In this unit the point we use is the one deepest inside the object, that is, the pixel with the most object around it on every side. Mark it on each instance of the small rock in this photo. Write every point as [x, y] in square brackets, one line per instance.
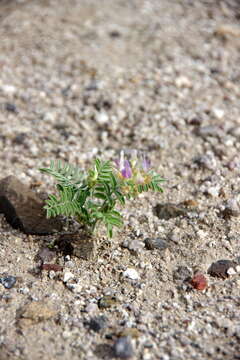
[52, 267]
[156, 243]
[75, 288]
[10, 107]
[183, 81]
[123, 348]
[168, 211]
[235, 131]
[107, 301]
[79, 245]
[98, 323]
[209, 130]
[135, 245]
[182, 273]
[231, 271]
[231, 209]
[19, 139]
[206, 161]
[24, 209]
[91, 308]
[218, 113]
[199, 281]
[46, 255]
[35, 312]
[191, 203]
[9, 89]
[8, 281]
[68, 276]
[102, 118]
[213, 191]
[131, 332]
[220, 268]
[131, 274]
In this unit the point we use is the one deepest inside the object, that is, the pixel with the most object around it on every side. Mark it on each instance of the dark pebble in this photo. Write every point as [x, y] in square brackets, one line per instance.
[220, 268]
[107, 301]
[98, 323]
[20, 138]
[114, 34]
[231, 209]
[8, 281]
[182, 273]
[10, 107]
[155, 243]
[123, 348]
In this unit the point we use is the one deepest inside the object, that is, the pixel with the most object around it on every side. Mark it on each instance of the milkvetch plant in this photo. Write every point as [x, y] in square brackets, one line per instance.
[91, 197]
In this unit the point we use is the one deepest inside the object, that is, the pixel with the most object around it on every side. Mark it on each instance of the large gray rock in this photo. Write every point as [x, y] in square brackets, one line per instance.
[23, 209]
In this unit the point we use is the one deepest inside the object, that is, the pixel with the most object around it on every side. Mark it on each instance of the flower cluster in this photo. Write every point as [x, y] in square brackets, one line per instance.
[133, 170]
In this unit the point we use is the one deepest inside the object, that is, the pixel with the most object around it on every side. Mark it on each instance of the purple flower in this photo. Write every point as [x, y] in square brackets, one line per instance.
[126, 171]
[124, 166]
[145, 163]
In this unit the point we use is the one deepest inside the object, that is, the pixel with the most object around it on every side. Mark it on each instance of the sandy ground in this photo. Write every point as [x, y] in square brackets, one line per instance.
[86, 78]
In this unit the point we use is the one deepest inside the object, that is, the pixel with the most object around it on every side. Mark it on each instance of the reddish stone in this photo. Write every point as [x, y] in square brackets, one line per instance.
[199, 281]
[53, 267]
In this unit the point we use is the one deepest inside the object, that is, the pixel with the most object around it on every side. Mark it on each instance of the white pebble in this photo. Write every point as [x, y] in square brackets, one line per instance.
[231, 271]
[67, 276]
[218, 113]
[131, 274]
[183, 81]
[102, 118]
[9, 89]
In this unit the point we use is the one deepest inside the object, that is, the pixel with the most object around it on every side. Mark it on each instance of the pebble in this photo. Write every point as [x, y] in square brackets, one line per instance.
[231, 208]
[183, 81]
[156, 243]
[102, 118]
[199, 281]
[75, 288]
[9, 89]
[206, 161]
[107, 301]
[91, 308]
[46, 255]
[213, 191]
[168, 211]
[98, 323]
[132, 332]
[52, 267]
[131, 274]
[220, 268]
[218, 113]
[10, 107]
[134, 245]
[209, 130]
[68, 276]
[182, 273]
[8, 281]
[123, 348]
[231, 271]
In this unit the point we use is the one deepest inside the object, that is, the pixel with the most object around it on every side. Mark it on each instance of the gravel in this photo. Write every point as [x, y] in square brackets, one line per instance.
[81, 79]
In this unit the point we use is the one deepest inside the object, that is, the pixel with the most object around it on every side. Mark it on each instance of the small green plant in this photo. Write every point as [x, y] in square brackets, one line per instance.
[92, 196]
